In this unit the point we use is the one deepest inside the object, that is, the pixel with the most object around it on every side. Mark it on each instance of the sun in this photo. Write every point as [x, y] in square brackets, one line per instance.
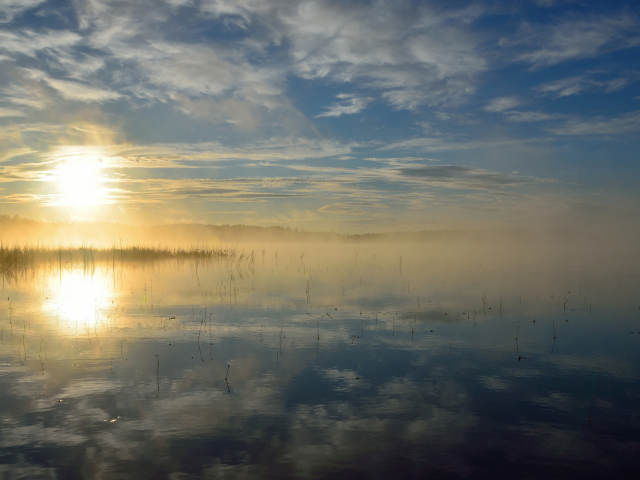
[80, 182]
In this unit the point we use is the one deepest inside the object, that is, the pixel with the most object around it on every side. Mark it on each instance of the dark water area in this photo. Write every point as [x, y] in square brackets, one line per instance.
[323, 362]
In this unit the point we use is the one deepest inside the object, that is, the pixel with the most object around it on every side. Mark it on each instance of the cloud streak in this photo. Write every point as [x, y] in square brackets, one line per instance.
[575, 38]
[583, 84]
[458, 176]
[622, 125]
[349, 105]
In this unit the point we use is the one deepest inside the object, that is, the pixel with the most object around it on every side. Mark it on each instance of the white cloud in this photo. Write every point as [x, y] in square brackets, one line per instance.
[348, 106]
[499, 105]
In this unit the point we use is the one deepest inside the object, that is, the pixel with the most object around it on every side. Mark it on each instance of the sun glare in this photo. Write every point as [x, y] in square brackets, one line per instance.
[81, 183]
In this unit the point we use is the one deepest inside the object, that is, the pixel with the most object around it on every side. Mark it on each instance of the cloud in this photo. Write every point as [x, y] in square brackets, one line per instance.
[462, 119]
[9, 9]
[126, 155]
[545, 3]
[11, 112]
[565, 87]
[350, 208]
[400, 161]
[197, 70]
[415, 54]
[453, 143]
[26, 95]
[621, 125]
[459, 176]
[81, 92]
[582, 84]
[498, 105]
[72, 90]
[349, 105]
[163, 67]
[574, 38]
[30, 43]
[516, 116]
[16, 152]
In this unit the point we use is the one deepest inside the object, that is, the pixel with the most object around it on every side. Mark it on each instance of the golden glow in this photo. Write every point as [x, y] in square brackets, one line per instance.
[81, 182]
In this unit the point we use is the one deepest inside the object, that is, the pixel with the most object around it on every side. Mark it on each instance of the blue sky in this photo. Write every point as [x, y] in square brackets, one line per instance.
[352, 116]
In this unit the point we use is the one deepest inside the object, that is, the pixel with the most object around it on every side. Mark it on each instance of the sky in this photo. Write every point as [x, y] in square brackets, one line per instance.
[352, 116]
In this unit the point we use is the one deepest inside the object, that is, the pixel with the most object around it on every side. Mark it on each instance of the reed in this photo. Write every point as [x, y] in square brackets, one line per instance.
[158, 376]
[22, 257]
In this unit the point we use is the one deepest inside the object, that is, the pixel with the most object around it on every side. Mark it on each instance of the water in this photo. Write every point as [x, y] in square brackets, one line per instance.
[323, 362]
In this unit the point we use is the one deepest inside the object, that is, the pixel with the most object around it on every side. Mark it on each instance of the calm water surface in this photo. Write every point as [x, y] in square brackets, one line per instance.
[323, 362]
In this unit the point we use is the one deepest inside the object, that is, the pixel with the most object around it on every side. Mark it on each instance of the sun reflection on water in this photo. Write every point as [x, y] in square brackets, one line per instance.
[79, 297]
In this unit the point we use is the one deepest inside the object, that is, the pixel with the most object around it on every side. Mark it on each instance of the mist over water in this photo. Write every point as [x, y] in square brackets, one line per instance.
[469, 359]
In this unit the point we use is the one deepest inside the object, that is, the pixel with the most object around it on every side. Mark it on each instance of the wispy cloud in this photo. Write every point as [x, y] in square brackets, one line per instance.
[581, 84]
[11, 112]
[72, 90]
[24, 95]
[416, 55]
[9, 9]
[518, 116]
[351, 208]
[282, 149]
[29, 43]
[16, 152]
[459, 176]
[453, 143]
[349, 105]
[498, 105]
[575, 37]
[621, 125]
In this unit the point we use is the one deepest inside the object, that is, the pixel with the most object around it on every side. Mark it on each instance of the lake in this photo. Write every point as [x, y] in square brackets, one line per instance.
[324, 361]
